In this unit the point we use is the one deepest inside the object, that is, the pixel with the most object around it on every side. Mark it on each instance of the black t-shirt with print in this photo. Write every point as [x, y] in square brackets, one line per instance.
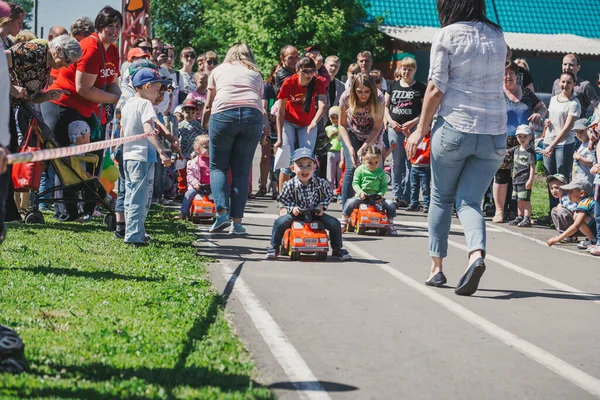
[405, 102]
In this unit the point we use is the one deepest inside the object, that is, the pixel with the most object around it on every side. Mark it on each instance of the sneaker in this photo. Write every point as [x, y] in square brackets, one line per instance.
[221, 222]
[120, 235]
[526, 223]
[237, 229]
[83, 219]
[148, 238]
[412, 207]
[594, 250]
[516, 221]
[584, 244]
[425, 210]
[341, 254]
[400, 203]
[272, 254]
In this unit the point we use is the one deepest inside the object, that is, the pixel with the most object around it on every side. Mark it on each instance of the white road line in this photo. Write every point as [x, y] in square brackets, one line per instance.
[576, 376]
[538, 241]
[294, 366]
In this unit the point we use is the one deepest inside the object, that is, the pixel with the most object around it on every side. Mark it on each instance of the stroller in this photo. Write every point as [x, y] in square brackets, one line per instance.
[71, 176]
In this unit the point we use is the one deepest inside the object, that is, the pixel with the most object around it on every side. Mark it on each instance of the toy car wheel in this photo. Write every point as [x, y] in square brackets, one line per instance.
[322, 256]
[360, 230]
[110, 220]
[349, 227]
[388, 177]
[295, 255]
[34, 217]
[382, 231]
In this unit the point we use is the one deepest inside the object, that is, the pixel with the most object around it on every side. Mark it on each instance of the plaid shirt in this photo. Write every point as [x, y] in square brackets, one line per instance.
[295, 194]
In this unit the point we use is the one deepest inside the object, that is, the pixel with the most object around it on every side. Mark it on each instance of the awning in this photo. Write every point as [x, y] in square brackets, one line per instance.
[560, 43]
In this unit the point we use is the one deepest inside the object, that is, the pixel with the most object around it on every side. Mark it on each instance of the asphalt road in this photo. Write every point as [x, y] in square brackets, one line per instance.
[370, 328]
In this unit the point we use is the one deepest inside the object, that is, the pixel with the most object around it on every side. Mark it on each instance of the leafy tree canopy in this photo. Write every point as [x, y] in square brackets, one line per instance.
[266, 26]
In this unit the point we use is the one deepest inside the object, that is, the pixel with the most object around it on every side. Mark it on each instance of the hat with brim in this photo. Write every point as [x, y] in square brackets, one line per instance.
[581, 184]
[303, 152]
[147, 75]
[580, 124]
[189, 104]
[556, 177]
[137, 53]
[523, 130]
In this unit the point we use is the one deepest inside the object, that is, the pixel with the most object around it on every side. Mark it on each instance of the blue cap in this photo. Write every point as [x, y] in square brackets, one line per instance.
[303, 152]
[146, 75]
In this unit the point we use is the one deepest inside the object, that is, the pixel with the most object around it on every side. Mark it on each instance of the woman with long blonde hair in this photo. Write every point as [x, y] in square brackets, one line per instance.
[361, 122]
[235, 118]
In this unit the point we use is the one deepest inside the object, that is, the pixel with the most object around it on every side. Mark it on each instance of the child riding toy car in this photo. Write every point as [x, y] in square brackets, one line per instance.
[203, 207]
[307, 236]
[369, 215]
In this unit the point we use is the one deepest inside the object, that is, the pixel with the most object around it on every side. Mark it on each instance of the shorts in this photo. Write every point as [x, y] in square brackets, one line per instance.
[503, 177]
[520, 193]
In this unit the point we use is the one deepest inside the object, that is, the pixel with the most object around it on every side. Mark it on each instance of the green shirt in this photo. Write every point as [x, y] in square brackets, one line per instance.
[369, 182]
[336, 143]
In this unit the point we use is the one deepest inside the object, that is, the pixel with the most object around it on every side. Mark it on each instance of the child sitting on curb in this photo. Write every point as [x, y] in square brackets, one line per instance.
[580, 192]
[562, 214]
[308, 192]
[369, 178]
[198, 173]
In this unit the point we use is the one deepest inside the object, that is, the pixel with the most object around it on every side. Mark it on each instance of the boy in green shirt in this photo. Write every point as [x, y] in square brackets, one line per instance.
[369, 178]
[334, 155]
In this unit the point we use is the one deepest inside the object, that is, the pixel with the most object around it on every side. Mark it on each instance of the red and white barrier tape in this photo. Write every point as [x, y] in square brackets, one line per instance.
[61, 152]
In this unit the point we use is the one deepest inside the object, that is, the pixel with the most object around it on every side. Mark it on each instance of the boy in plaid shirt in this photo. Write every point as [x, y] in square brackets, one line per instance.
[306, 191]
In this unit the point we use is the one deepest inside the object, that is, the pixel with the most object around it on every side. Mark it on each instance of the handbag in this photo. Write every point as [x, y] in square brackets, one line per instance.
[27, 176]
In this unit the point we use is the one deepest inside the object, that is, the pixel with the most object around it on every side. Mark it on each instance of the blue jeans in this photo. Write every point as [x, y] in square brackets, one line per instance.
[353, 203]
[47, 182]
[462, 166]
[401, 167]
[188, 197]
[420, 176]
[139, 181]
[347, 191]
[234, 136]
[293, 134]
[120, 205]
[560, 162]
[160, 176]
[331, 224]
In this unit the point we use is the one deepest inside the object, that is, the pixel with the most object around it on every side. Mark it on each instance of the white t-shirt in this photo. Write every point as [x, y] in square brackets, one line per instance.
[134, 114]
[558, 111]
[581, 171]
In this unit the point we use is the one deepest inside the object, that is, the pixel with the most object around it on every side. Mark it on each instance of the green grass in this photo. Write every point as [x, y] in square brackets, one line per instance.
[539, 193]
[102, 320]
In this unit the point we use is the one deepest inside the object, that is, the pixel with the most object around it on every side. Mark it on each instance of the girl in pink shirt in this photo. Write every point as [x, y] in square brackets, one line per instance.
[198, 174]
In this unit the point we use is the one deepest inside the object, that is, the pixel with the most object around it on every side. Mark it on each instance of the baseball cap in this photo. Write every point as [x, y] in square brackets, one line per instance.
[303, 152]
[137, 52]
[147, 75]
[335, 110]
[139, 64]
[523, 130]
[580, 184]
[580, 124]
[78, 128]
[559, 177]
[189, 104]
[177, 110]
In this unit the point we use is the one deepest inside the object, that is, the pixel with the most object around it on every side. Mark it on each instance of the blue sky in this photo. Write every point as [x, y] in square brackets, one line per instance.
[64, 12]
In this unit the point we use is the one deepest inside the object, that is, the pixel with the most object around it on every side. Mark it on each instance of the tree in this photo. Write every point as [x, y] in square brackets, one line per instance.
[27, 6]
[341, 27]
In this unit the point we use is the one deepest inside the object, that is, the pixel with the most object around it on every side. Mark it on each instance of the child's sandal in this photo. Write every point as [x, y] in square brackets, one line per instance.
[392, 230]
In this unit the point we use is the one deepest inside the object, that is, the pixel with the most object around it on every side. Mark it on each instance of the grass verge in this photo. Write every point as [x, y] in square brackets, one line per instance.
[104, 320]
[539, 198]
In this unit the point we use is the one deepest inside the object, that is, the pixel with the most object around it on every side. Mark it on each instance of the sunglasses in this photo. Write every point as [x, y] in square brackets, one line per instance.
[189, 55]
[147, 49]
[308, 71]
[211, 62]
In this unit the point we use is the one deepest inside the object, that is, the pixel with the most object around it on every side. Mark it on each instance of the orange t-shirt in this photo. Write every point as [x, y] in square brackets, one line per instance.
[96, 61]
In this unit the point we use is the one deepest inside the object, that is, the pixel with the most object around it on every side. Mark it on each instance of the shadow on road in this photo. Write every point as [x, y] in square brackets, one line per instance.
[310, 386]
[520, 294]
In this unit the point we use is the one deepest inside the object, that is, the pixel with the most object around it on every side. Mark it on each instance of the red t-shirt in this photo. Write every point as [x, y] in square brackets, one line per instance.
[294, 93]
[91, 62]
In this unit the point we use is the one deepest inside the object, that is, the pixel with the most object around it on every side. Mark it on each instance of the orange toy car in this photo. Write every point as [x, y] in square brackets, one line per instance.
[203, 207]
[306, 236]
[370, 215]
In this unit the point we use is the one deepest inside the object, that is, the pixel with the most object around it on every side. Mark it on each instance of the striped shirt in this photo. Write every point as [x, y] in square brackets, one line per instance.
[467, 65]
